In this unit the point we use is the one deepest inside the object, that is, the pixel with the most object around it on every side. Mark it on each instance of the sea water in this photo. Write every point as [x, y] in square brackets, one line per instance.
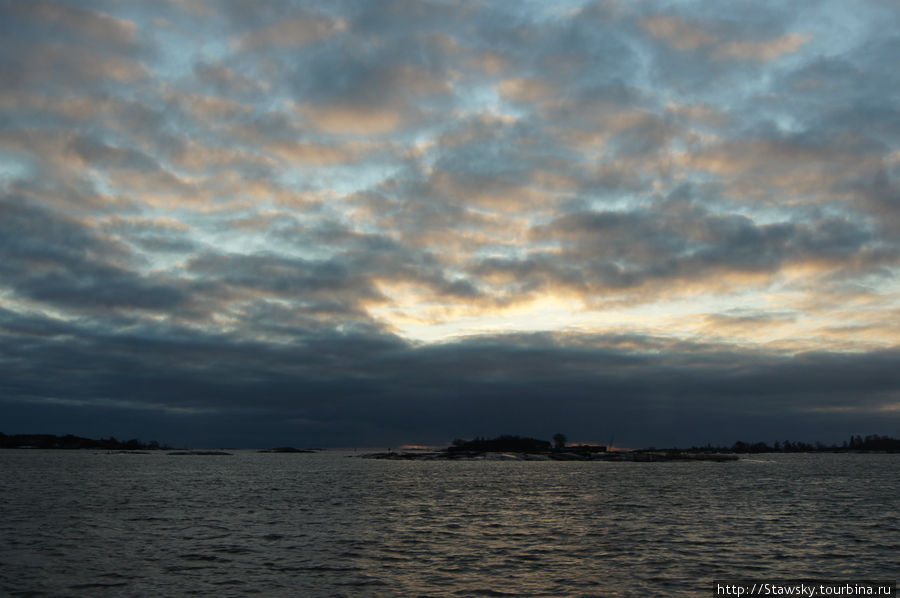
[88, 523]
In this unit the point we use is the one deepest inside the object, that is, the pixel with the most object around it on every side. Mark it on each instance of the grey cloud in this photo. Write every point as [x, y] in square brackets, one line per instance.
[618, 250]
[480, 148]
[103, 288]
[59, 261]
[391, 80]
[154, 244]
[283, 275]
[72, 24]
[698, 49]
[97, 153]
[54, 46]
[399, 17]
[224, 79]
[346, 278]
[33, 233]
[297, 30]
[53, 66]
[153, 237]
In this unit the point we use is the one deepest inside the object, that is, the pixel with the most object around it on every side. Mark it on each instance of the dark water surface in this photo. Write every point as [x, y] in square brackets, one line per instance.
[80, 523]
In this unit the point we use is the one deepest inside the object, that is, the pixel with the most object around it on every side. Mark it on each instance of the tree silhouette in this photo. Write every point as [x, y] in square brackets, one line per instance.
[559, 440]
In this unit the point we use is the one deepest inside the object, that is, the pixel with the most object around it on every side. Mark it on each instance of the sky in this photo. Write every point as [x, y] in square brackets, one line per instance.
[347, 223]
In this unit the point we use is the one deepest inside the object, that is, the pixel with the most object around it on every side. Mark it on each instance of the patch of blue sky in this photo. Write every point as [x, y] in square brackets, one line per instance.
[484, 99]
[223, 232]
[154, 262]
[616, 202]
[541, 10]
[99, 181]
[215, 231]
[339, 179]
[26, 307]
[837, 27]
[179, 51]
[15, 166]
[761, 215]
[509, 251]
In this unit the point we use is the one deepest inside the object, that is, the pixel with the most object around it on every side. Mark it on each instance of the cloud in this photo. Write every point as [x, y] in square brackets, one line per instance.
[57, 65]
[293, 32]
[520, 89]
[676, 32]
[686, 36]
[368, 223]
[224, 79]
[372, 100]
[51, 45]
[308, 152]
[78, 24]
[61, 262]
[764, 50]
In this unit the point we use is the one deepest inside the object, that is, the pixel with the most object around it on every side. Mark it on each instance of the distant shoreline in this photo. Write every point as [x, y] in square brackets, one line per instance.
[517, 448]
[111, 444]
[562, 455]
[513, 447]
[72, 442]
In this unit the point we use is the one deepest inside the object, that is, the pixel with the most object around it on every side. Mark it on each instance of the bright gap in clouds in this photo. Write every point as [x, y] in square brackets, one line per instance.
[777, 320]
[416, 319]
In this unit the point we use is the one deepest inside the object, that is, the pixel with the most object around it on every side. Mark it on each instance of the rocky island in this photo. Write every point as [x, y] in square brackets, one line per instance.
[517, 448]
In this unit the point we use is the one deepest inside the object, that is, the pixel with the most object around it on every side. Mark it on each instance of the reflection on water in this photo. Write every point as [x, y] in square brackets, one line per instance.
[92, 524]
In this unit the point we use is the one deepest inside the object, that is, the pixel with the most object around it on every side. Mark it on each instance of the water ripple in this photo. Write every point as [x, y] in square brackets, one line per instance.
[95, 525]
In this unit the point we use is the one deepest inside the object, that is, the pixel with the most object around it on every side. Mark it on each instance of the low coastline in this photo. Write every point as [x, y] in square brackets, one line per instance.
[632, 456]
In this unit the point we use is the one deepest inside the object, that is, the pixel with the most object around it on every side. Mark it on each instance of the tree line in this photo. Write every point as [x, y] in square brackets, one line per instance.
[70, 441]
[872, 442]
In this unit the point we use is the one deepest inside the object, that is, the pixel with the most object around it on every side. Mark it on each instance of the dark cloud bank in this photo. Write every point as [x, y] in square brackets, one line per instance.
[365, 388]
